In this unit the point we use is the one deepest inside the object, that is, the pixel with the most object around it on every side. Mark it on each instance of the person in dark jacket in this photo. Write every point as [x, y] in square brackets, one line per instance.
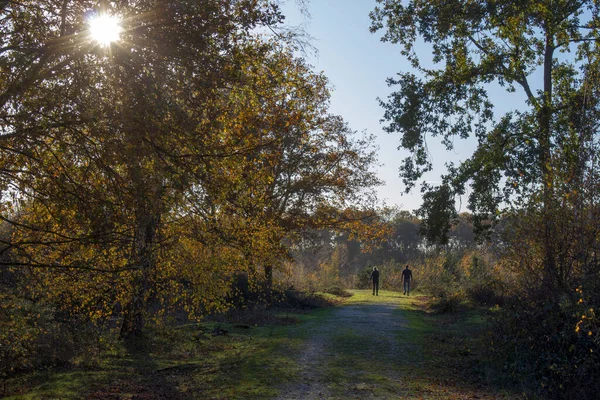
[406, 278]
[375, 278]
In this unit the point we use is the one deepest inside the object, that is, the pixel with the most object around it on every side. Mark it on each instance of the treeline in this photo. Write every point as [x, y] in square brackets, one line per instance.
[465, 271]
[141, 179]
[326, 258]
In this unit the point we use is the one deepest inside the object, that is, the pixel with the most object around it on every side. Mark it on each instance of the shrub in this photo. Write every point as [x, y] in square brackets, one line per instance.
[32, 336]
[337, 291]
[550, 347]
[488, 292]
[303, 300]
[455, 280]
[449, 303]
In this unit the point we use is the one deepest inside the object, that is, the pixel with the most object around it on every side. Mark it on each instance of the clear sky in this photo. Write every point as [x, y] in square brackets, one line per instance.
[357, 64]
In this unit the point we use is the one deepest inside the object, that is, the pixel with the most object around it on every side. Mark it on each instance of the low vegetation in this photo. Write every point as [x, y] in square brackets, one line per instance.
[235, 355]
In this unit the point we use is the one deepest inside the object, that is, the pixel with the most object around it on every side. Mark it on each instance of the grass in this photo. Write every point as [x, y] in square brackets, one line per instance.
[442, 358]
[360, 363]
[449, 361]
[183, 362]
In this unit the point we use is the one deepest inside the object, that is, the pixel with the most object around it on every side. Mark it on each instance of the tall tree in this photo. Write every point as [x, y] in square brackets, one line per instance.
[306, 167]
[522, 46]
[149, 169]
[100, 144]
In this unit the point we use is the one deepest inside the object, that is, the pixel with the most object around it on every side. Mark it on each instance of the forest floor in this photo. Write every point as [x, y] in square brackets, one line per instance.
[370, 347]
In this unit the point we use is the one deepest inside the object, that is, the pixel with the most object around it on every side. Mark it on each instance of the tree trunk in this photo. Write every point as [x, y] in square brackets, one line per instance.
[142, 251]
[133, 315]
[268, 283]
[545, 159]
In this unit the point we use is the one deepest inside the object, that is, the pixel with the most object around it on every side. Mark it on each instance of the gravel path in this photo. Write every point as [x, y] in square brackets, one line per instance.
[354, 353]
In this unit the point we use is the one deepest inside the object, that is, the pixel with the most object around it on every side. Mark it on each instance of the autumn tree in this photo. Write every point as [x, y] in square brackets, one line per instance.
[101, 144]
[548, 51]
[307, 169]
[151, 169]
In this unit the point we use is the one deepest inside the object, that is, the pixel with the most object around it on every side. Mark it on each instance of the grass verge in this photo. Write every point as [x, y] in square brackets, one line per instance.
[450, 351]
[209, 360]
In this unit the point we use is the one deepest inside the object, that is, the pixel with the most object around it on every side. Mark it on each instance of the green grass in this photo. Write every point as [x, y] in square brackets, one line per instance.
[366, 296]
[450, 354]
[441, 359]
[357, 366]
[183, 361]
[444, 356]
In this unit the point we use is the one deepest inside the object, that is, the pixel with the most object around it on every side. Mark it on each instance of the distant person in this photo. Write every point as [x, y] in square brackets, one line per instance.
[406, 278]
[375, 278]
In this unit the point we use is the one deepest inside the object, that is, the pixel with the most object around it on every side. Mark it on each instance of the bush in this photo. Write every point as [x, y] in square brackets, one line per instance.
[337, 291]
[455, 280]
[487, 293]
[449, 303]
[551, 348]
[33, 337]
[303, 300]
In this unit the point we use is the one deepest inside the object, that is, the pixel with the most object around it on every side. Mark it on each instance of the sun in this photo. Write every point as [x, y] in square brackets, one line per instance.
[105, 29]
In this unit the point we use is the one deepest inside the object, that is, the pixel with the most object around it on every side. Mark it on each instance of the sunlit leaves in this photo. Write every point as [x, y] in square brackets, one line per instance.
[159, 168]
[100, 149]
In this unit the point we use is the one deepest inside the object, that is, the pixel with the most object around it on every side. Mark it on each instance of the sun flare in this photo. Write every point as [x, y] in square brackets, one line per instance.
[105, 29]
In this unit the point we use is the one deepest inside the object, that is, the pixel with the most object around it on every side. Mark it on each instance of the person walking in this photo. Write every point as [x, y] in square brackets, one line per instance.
[406, 278]
[375, 278]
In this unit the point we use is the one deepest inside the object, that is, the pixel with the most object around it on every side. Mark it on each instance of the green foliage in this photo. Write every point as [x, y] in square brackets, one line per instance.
[390, 274]
[337, 291]
[19, 333]
[534, 172]
[474, 44]
[363, 277]
[449, 302]
[461, 278]
[437, 213]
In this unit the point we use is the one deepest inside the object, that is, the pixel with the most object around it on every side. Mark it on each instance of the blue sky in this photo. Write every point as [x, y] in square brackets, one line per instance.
[357, 64]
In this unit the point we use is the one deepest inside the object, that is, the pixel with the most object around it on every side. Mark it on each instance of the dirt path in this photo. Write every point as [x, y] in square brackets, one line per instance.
[354, 353]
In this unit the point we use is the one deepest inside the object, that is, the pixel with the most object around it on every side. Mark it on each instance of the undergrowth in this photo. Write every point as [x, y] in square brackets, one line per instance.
[234, 355]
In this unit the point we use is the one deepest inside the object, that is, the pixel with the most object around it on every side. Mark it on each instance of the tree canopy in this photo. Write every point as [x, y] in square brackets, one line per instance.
[155, 167]
[531, 158]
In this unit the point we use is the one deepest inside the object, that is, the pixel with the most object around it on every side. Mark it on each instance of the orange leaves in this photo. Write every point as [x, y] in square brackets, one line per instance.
[588, 320]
